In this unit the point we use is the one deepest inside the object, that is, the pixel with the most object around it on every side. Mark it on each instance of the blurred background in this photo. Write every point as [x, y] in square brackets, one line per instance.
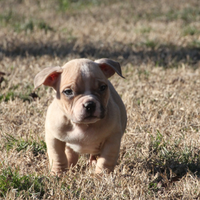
[136, 31]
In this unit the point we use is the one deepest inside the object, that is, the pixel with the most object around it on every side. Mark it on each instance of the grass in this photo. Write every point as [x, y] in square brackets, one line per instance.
[21, 144]
[31, 26]
[190, 31]
[150, 44]
[22, 186]
[67, 5]
[195, 43]
[157, 45]
[6, 17]
[186, 14]
[14, 92]
[170, 157]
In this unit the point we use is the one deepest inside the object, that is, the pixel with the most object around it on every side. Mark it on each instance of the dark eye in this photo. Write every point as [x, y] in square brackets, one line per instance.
[103, 87]
[68, 92]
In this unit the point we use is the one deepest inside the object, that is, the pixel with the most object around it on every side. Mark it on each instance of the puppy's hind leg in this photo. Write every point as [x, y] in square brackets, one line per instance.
[93, 160]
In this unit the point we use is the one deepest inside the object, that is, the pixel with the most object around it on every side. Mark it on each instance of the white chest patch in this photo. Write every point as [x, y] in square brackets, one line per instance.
[83, 140]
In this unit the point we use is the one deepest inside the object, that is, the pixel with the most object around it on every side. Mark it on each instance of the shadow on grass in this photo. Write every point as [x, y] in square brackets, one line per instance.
[172, 167]
[167, 170]
[163, 55]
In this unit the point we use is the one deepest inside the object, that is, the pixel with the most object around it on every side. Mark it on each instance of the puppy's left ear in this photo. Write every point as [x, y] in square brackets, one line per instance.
[109, 67]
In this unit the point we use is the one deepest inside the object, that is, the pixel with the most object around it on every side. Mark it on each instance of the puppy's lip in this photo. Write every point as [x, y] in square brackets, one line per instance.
[91, 117]
[88, 120]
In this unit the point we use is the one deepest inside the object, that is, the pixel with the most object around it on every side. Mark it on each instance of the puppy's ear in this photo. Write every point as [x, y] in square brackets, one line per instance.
[109, 67]
[48, 77]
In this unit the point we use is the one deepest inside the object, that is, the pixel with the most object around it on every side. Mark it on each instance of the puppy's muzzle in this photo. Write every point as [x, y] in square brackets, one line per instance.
[90, 107]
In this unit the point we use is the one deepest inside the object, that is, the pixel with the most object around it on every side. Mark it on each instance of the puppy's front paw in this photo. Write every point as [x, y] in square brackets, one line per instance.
[58, 173]
[104, 166]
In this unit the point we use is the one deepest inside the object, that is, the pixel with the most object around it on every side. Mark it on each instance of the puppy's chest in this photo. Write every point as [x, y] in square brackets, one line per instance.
[85, 141]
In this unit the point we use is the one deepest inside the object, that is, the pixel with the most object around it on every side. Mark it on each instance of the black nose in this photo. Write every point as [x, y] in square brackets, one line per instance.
[90, 106]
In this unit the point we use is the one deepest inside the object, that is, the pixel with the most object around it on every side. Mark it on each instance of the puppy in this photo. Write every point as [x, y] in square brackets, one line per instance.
[87, 116]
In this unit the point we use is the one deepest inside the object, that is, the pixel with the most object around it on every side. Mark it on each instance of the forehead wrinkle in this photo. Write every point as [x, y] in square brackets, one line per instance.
[91, 77]
[91, 70]
[85, 74]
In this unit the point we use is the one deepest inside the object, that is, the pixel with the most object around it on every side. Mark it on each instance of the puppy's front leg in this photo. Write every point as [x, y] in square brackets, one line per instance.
[109, 155]
[56, 152]
[72, 156]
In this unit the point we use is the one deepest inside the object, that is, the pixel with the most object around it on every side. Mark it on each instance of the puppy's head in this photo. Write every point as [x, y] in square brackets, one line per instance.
[82, 87]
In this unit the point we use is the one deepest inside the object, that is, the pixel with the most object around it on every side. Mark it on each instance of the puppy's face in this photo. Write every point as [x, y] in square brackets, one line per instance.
[83, 92]
[82, 87]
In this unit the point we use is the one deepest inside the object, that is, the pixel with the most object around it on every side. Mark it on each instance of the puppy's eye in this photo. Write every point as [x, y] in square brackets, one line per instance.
[103, 87]
[68, 92]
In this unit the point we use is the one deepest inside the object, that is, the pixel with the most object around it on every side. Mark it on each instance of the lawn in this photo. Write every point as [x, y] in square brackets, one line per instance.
[157, 44]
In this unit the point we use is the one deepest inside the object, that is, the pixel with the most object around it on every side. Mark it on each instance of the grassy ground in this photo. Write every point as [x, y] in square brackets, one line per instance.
[158, 45]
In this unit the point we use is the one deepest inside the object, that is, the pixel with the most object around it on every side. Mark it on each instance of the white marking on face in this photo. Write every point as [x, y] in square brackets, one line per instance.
[86, 76]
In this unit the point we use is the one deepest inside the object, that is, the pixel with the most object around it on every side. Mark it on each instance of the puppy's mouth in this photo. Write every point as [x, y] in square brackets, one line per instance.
[102, 115]
[91, 119]
[87, 120]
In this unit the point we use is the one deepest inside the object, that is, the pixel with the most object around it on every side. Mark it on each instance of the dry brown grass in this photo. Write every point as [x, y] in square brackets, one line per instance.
[157, 43]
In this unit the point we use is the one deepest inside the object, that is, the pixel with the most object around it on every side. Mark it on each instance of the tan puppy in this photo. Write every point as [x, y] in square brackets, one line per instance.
[86, 116]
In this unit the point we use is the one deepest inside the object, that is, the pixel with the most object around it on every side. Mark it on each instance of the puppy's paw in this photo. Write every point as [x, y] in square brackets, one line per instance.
[58, 172]
[93, 160]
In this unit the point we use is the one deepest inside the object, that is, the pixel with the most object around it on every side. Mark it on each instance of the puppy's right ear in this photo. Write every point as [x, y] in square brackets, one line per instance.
[48, 77]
